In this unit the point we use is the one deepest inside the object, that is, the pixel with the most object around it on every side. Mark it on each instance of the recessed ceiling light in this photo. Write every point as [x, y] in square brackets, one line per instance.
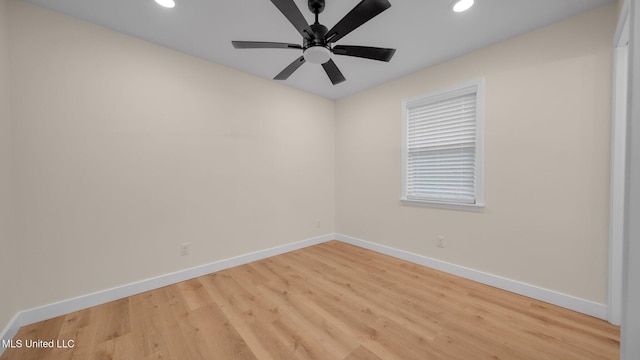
[461, 5]
[166, 3]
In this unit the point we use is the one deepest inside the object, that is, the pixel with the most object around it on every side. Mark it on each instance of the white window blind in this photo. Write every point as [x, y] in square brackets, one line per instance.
[442, 157]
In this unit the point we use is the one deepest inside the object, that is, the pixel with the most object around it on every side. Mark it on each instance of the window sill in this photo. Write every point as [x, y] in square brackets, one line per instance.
[443, 205]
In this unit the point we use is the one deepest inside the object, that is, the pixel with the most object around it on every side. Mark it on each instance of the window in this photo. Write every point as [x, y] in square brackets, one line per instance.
[442, 148]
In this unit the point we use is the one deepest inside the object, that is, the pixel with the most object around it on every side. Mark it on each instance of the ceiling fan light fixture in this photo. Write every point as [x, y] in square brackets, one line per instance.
[166, 3]
[317, 54]
[462, 5]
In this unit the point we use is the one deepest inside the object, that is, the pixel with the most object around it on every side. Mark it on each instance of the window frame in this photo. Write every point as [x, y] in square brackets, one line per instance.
[442, 95]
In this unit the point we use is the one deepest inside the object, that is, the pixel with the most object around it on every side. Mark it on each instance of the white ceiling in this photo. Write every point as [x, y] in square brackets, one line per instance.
[424, 32]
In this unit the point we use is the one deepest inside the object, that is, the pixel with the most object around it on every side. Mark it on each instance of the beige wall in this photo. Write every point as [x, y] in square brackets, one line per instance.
[547, 160]
[124, 150]
[8, 258]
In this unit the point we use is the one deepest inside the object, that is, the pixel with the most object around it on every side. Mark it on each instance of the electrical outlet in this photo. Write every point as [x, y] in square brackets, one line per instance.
[318, 224]
[440, 241]
[184, 249]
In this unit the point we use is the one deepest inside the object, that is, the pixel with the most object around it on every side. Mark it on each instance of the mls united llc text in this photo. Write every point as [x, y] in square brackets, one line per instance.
[41, 344]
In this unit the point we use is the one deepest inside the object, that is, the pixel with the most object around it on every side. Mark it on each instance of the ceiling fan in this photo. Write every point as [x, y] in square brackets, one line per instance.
[317, 40]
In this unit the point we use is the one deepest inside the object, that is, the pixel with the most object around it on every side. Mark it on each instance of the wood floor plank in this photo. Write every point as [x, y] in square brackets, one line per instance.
[113, 321]
[236, 303]
[362, 353]
[143, 331]
[381, 299]
[194, 294]
[329, 301]
[209, 330]
[336, 338]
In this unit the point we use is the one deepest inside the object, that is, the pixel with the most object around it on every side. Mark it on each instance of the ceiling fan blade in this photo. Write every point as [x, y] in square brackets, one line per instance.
[291, 11]
[284, 74]
[366, 52]
[333, 72]
[263, 45]
[363, 12]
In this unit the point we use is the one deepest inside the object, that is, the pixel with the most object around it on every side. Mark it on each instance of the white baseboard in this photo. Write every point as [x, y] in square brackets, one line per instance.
[45, 312]
[549, 296]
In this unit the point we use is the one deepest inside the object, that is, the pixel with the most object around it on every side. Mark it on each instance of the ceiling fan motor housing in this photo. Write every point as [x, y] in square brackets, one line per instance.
[319, 32]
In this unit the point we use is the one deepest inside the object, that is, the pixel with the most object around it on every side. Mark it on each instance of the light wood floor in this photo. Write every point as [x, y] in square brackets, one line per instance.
[330, 301]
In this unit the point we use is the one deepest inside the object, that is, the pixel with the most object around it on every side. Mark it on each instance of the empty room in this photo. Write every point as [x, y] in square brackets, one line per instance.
[310, 179]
